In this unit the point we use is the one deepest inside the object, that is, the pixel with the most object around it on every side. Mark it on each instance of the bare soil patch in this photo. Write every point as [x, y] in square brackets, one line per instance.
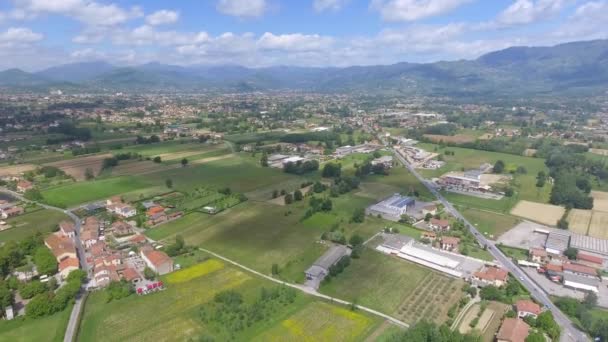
[77, 167]
[539, 212]
[16, 170]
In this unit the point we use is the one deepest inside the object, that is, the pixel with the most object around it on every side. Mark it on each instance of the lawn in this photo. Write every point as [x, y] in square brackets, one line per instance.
[490, 223]
[377, 281]
[503, 205]
[173, 314]
[82, 192]
[50, 328]
[29, 224]
[512, 252]
[471, 159]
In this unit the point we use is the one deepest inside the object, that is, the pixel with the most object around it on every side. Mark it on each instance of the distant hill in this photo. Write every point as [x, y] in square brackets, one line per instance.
[579, 67]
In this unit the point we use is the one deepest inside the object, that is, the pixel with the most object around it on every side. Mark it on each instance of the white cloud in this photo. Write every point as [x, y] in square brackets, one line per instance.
[242, 8]
[294, 42]
[19, 36]
[529, 11]
[412, 10]
[162, 17]
[89, 12]
[587, 22]
[329, 5]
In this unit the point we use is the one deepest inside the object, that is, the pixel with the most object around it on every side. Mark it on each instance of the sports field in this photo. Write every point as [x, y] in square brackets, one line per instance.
[29, 224]
[377, 281]
[539, 212]
[78, 193]
[50, 328]
[173, 314]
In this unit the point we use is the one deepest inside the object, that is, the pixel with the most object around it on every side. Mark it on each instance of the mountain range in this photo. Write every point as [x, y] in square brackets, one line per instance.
[571, 68]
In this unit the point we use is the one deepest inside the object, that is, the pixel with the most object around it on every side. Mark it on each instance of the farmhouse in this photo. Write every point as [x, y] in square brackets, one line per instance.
[68, 265]
[513, 330]
[121, 228]
[429, 235]
[438, 224]
[23, 186]
[320, 268]
[122, 209]
[537, 255]
[490, 275]
[527, 308]
[449, 243]
[129, 274]
[158, 261]
[61, 246]
[10, 212]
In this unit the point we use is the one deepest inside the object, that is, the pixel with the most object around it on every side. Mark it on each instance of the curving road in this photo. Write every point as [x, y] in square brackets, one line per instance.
[569, 331]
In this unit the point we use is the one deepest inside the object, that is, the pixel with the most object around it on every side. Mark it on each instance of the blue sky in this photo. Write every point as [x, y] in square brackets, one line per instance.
[35, 34]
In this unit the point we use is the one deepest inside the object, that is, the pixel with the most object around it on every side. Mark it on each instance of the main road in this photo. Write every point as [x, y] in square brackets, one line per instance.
[569, 332]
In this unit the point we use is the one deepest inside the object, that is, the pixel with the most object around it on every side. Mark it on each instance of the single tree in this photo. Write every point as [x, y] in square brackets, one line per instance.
[169, 183]
[184, 162]
[157, 160]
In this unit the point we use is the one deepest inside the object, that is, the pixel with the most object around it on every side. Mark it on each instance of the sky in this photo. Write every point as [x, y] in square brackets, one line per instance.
[36, 34]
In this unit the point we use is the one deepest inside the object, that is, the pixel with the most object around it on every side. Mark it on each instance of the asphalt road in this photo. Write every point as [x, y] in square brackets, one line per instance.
[569, 332]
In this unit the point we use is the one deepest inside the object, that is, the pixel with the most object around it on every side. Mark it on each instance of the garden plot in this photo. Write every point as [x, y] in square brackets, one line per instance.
[539, 212]
[77, 167]
[578, 220]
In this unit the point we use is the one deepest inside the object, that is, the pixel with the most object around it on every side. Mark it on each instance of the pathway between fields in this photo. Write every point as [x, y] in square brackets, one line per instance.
[308, 290]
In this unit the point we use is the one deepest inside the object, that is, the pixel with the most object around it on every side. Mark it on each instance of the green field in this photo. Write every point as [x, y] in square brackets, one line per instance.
[503, 205]
[29, 224]
[50, 328]
[490, 223]
[377, 281]
[471, 159]
[82, 192]
[173, 313]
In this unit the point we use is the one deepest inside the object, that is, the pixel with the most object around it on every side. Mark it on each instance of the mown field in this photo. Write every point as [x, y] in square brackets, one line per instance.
[174, 313]
[30, 223]
[490, 223]
[470, 159]
[50, 328]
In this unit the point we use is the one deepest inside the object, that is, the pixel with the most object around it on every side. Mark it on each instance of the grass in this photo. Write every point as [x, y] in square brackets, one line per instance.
[172, 314]
[50, 328]
[470, 158]
[77, 193]
[377, 281]
[30, 223]
[513, 252]
[490, 223]
[503, 205]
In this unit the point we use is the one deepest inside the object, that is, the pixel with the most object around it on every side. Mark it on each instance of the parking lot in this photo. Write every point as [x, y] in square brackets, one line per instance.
[523, 236]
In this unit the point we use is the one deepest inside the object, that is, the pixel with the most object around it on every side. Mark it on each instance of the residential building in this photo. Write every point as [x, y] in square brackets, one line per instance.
[525, 308]
[513, 330]
[429, 209]
[23, 186]
[61, 246]
[158, 261]
[129, 274]
[429, 235]
[490, 275]
[11, 212]
[537, 255]
[67, 229]
[439, 224]
[68, 265]
[120, 228]
[449, 243]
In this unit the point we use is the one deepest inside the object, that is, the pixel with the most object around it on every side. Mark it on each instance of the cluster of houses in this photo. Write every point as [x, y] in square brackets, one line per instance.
[157, 214]
[62, 245]
[10, 209]
[116, 206]
[515, 329]
[579, 274]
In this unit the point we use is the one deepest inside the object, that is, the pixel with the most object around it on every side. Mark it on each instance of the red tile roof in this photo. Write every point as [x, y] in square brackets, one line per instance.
[527, 306]
[67, 226]
[492, 274]
[538, 252]
[513, 330]
[590, 258]
[157, 258]
[130, 274]
[60, 244]
[68, 262]
[440, 223]
[554, 267]
[578, 268]
[450, 240]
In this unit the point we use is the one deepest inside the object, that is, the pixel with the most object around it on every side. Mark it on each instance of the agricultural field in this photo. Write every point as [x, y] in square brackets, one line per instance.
[174, 312]
[598, 225]
[490, 223]
[15, 170]
[600, 200]
[28, 224]
[77, 167]
[489, 319]
[199, 198]
[50, 328]
[400, 178]
[542, 213]
[578, 220]
[290, 185]
[455, 139]
[503, 205]
[372, 281]
[465, 158]
[78, 193]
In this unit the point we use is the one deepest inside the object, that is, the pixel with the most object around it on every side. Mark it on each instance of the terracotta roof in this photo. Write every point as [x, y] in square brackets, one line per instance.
[157, 258]
[130, 274]
[24, 184]
[492, 274]
[59, 244]
[155, 210]
[450, 240]
[68, 262]
[440, 223]
[554, 267]
[430, 234]
[538, 252]
[528, 306]
[513, 330]
[590, 258]
[139, 238]
[66, 226]
[578, 268]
